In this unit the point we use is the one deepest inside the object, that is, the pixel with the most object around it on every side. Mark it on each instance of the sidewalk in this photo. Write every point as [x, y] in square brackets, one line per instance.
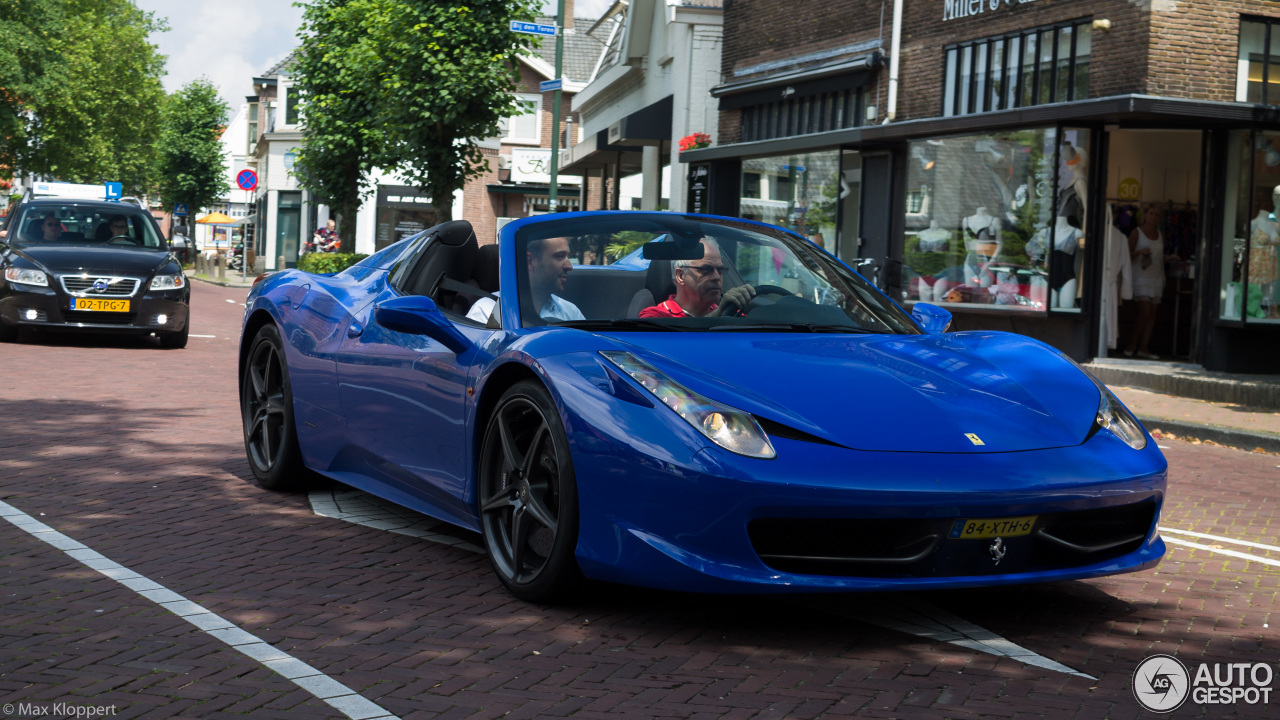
[1238, 426]
[233, 279]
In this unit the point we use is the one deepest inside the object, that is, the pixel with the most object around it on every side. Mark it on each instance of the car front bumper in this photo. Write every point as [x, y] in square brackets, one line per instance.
[49, 308]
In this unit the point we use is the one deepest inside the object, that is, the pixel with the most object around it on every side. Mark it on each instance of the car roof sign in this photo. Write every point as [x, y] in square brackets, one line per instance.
[69, 190]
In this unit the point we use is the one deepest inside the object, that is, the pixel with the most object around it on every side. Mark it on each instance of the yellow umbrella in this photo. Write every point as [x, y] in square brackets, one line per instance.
[216, 218]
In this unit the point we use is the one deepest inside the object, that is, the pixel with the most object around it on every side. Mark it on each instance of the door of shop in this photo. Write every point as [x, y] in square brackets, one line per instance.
[1152, 195]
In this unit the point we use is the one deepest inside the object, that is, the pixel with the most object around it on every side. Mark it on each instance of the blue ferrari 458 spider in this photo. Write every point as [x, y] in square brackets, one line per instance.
[727, 408]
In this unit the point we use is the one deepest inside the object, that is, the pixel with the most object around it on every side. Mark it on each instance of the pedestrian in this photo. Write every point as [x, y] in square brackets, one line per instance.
[326, 238]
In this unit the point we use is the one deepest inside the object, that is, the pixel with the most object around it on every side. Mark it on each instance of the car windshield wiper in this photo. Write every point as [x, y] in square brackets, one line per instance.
[796, 327]
[621, 324]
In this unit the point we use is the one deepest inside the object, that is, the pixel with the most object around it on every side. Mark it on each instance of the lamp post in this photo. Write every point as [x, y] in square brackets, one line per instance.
[553, 201]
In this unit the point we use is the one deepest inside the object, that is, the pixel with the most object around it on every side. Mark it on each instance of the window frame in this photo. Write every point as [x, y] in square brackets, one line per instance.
[969, 79]
[1270, 28]
[536, 138]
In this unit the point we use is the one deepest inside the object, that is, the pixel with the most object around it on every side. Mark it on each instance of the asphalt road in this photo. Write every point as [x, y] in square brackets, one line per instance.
[122, 460]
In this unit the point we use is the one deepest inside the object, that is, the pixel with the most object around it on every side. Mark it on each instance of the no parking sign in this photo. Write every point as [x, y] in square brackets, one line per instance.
[247, 180]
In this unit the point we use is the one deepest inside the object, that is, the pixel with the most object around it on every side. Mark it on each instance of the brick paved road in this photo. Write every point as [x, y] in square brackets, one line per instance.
[135, 451]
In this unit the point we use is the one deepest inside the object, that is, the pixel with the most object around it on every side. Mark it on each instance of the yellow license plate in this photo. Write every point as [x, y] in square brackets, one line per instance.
[99, 305]
[984, 528]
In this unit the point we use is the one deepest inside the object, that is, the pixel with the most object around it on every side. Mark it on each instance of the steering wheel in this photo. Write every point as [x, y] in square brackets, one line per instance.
[127, 240]
[730, 307]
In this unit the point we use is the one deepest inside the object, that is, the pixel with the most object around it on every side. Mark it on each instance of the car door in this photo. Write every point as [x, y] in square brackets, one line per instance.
[405, 399]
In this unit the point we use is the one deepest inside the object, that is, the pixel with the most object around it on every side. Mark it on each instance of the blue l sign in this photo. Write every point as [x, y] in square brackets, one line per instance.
[115, 190]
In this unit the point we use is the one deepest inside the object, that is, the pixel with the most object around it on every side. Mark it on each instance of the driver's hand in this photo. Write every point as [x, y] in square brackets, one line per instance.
[738, 296]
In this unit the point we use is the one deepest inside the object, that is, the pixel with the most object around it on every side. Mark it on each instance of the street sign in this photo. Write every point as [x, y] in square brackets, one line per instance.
[180, 210]
[247, 180]
[529, 28]
[549, 85]
[114, 190]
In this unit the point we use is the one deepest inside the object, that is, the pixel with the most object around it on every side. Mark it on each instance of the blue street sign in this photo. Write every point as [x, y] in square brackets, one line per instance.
[180, 209]
[115, 190]
[529, 28]
[549, 85]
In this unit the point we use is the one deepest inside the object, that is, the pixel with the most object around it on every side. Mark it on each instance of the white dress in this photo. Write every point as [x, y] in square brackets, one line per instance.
[1149, 281]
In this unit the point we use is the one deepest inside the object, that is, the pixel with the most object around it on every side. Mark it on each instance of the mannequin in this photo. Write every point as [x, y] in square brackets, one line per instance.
[1076, 184]
[933, 238]
[1264, 237]
[982, 240]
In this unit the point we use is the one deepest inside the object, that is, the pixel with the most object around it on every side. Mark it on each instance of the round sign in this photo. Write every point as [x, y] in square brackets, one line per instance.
[1161, 683]
[247, 180]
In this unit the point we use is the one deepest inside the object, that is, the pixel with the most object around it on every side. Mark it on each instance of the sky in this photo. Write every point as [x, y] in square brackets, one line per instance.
[231, 41]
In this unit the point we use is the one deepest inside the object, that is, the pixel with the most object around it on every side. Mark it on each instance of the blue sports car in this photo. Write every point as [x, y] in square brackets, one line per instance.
[730, 409]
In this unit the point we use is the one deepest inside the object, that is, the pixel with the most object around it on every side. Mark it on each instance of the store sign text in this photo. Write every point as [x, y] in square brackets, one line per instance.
[953, 9]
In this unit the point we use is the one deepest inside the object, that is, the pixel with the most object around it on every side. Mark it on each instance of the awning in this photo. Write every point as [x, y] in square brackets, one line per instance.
[1132, 110]
[622, 142]
[832, 77]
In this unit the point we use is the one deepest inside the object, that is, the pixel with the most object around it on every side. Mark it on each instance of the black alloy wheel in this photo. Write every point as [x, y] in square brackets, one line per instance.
[266, 405]
[529, 497]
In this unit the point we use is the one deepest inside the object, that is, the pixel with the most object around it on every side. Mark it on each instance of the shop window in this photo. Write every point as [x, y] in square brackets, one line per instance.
[525, 127]
[1249, 264]
[1258, 73]
[801, 116]
[991, 220]
[797, 192]
[1031, 67]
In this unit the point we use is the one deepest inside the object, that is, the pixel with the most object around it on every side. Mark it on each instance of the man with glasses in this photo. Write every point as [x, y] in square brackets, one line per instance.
[117, 227]
[50, 228]
[700, 288]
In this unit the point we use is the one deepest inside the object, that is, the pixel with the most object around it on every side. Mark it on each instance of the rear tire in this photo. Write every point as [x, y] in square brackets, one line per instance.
[529, 496]
[266, 407]
[175, 340]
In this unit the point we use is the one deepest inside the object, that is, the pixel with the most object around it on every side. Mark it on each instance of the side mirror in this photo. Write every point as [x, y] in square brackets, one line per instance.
[933, 319]
[418, 315]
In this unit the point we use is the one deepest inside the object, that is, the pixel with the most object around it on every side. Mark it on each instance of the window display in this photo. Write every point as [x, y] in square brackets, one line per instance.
[1250, 291]
[986, 229]
[797, 192]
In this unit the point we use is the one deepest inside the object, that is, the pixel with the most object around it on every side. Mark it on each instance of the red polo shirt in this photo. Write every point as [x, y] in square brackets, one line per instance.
[667, 309]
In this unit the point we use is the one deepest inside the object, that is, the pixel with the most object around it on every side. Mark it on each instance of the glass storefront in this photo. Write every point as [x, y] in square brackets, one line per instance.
[1251, 229]
[992, 220]
[798, 192]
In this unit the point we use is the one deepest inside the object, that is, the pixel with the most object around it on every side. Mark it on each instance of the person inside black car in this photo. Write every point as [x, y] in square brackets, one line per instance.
[115, 229]
[50, 229]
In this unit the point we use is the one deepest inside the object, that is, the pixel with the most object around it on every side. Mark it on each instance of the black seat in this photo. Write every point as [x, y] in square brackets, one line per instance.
[450, 255]
[484, 276]
[659, 284]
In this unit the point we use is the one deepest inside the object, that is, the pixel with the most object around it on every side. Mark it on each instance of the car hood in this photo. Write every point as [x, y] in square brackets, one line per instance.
[903, 393]
[95, 260]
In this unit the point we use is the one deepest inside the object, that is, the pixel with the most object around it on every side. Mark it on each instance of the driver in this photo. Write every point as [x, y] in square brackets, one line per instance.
[700, 288]
[117, 226]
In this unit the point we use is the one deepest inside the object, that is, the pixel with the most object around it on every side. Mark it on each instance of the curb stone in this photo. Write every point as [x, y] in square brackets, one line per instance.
[1229, 437]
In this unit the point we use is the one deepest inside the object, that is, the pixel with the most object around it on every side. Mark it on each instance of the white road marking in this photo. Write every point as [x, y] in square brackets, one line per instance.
[335, 694]
[233, 302]
[916, 617]
[364, 509]
[1219, 538]
[1224, 551]
[205, 336]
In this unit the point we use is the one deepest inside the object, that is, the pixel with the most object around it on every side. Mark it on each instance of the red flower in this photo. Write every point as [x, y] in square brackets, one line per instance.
[694, 141]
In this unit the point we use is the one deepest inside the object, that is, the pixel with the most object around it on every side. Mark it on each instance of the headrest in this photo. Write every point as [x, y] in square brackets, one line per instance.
[485, 271]
[454, 232]
[660, 280]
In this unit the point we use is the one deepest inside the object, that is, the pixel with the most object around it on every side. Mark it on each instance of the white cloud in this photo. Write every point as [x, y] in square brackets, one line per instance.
[228, 41]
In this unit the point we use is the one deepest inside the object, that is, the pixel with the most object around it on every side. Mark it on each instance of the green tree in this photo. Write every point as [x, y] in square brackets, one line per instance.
[336, 71]
[404, 85]
[96, 115]
[27, 31]
[192, 169]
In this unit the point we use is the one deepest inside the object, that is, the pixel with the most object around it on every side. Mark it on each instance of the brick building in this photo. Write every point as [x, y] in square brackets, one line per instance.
[995, 156]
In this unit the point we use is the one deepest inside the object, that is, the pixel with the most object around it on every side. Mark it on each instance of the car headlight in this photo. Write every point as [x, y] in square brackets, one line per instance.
[167, 282]
[26, 277]
[1114, 417]
[728, 427]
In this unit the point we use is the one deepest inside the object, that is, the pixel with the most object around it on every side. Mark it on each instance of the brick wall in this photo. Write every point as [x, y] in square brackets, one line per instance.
[1194, 44]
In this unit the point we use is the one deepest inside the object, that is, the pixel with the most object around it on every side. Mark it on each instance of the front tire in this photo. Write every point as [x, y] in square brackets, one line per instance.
[266, 407]
[175, 340]
[529, 496]
[8, 333]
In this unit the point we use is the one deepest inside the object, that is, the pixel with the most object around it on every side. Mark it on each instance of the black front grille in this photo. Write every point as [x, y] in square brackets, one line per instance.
[918, 547]
[99, 318]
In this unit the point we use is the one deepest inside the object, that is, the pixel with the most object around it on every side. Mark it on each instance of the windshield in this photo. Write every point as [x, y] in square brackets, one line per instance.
[73, 224]
[663, 271]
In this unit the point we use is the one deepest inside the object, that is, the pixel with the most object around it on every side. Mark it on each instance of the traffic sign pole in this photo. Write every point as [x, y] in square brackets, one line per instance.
[555, 108]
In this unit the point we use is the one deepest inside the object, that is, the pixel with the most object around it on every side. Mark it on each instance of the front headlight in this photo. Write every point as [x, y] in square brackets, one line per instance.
[167, 282]
[1114, 417]
[728, 427]
[26, 277]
